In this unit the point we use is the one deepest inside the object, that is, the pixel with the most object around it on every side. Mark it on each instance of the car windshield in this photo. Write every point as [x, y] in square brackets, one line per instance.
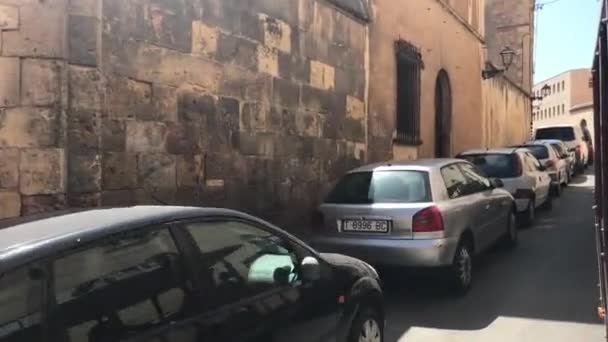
[559, 133]
[381, 187]
[494, 165]
[559, 149]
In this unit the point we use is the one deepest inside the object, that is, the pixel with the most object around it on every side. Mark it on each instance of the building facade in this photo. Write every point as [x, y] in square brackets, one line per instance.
[256, 105]
[569, 100]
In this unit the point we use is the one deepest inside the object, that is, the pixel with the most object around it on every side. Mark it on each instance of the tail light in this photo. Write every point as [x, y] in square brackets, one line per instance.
[550, 164]
[318, 220]
[578, 148]
[428, 220]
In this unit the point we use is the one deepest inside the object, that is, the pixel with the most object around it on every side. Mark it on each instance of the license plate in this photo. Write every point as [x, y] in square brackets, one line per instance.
[371, 226]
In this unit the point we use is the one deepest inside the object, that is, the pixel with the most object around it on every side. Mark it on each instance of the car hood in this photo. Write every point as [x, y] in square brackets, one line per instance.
[357, 268]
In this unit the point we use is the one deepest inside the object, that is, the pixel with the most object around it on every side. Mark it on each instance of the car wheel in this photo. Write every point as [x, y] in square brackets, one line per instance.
[556, 190]
[367, 327]
[462, 268]
[511, 236]
[528, 216]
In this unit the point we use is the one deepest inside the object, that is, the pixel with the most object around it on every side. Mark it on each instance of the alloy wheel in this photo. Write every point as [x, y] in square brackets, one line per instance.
[370, 331]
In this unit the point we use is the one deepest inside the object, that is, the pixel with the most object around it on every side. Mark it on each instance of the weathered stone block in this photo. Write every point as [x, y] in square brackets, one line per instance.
[353, 130]
[113, 135]
[119, 171]
[204, 39]
[40, 82]
[184, 138]
[9, 18]
[157, 171]
[294, 67]
[322, 76]
[78, 200]
[9, 168]
[251, 26]
[355, 108]
[28, 127]
[82, 40]
[169, 24]
[127, 98]
[246, 85]
[86, 89]
[308, 124]
[190, 170]
[10, 204]
[85, 7]
[164, 101]
[254, 117]
[286, 93]
[84, 173]
[9, 81]
[42, 171]
[268, 61]
[194, 105]
[83, 130]
[277, 33]
[118, 198]
[33, 39]
[316, 100]
[233, 49]
[261, 145]
[222, 125]
[350, 81]
[146, 136]
[31, 205]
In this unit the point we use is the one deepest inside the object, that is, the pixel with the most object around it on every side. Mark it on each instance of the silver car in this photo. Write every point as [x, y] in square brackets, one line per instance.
[423, 213]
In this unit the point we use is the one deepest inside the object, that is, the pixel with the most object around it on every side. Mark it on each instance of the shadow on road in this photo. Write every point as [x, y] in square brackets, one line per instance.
[551, 276]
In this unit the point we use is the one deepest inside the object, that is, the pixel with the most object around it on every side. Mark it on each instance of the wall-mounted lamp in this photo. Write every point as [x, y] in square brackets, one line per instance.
[506, 55]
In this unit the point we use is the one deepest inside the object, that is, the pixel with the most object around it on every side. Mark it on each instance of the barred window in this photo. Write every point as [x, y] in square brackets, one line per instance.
[409, 66]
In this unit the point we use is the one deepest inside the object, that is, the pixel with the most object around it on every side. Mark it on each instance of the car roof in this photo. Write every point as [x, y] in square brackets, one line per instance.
[549, 141]
[418, 164]
[28, 239]
[500, 150]
[557, 126]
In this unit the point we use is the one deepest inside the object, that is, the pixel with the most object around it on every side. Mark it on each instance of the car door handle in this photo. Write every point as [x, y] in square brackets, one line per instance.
[487, 206]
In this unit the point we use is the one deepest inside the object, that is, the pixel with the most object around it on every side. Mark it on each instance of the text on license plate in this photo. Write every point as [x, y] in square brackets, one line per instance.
[374, 226]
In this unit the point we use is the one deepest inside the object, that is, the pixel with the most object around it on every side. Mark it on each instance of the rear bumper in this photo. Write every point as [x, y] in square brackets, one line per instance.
[387, 252]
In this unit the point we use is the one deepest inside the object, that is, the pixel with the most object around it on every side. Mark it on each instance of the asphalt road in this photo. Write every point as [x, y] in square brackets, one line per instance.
[545, 290]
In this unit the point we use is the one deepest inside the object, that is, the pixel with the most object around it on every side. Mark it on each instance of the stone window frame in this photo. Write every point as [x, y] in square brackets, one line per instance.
[408, 70]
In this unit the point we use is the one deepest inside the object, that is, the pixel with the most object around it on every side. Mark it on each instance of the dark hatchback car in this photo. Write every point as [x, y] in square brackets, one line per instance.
[177, 274]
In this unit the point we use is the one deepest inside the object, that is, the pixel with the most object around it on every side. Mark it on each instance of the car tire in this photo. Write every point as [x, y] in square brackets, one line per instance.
[548, 205]
[461, 270]
[511, 238]
[526, 219]
[556, 191]
[367, 326]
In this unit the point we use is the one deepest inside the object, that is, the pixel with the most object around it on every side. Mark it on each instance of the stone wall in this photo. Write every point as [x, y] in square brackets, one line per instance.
[256, 105]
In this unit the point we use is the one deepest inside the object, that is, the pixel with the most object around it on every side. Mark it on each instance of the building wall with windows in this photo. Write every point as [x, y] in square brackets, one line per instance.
[569, 100]
[256, 105]
[446, 42]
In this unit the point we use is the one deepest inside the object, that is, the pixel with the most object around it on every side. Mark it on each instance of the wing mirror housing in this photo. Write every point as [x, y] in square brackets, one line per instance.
[310, 269]
[497, 183]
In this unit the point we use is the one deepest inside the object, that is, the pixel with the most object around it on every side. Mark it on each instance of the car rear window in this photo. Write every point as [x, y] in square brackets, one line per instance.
[494, 165]
[381, 187]
[559, 133]
[539, 151]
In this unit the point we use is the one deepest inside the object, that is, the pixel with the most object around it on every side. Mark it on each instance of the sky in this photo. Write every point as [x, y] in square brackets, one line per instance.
[565, 37]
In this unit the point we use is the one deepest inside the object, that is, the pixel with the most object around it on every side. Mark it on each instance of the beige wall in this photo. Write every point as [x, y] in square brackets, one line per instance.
[445, 43]
[580, 92]
[507, 111]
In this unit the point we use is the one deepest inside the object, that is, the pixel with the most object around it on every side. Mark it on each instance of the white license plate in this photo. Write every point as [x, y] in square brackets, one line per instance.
[372, 226]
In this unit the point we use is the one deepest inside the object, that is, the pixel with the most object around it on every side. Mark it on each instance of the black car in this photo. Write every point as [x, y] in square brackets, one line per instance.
[177, 274]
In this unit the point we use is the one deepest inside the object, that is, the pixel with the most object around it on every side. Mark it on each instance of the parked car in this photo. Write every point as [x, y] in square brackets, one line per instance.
[177, 274]
[434, 213]
[522, 175]
[554, 164]
[572, 136]
[562, 152]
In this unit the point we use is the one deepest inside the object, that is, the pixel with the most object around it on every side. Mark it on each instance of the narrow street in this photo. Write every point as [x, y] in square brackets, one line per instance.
[543, 290]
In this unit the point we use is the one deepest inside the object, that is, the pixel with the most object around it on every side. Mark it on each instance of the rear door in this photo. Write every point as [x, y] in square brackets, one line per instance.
[377, 204]
[542, 181]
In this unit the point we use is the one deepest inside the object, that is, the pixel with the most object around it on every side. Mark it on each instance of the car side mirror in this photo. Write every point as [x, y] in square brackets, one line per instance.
[310, 269]
[497, 183]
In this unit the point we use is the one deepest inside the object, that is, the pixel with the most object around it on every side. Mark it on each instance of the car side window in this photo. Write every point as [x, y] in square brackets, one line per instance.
[454, 180]
[534, 161]
[121, 286]
[474, 177]
[20, 305]
[240, 260]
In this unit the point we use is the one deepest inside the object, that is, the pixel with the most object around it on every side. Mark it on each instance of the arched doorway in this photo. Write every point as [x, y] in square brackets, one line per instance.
[443, 115]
